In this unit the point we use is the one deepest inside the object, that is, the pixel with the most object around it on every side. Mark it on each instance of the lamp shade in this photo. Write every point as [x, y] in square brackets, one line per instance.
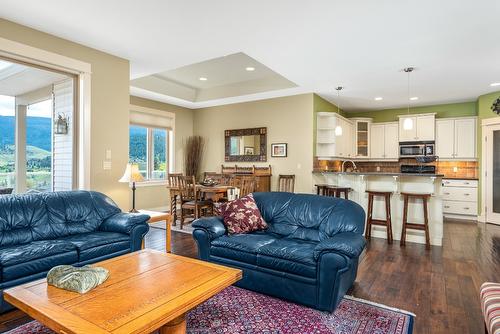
[132, 174]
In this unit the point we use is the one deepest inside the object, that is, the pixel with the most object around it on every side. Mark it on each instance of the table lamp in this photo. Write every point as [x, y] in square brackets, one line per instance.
[133, 175]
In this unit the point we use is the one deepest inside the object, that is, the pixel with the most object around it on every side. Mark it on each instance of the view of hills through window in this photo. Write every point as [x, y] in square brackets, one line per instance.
[38, 144]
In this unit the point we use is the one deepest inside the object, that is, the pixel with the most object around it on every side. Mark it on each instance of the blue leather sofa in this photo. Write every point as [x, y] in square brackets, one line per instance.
[40, 231]
[308, 255]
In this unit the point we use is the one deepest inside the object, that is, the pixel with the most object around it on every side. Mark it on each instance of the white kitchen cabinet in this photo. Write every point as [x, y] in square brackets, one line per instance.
[445, 138]
[460, 198]
[361, 137]
[377, 133]
[410, 134]
[426, 128]
[465, 138]
[328, 143]
[391, 141]
[456, 138]
[423, 128]
[384, 142]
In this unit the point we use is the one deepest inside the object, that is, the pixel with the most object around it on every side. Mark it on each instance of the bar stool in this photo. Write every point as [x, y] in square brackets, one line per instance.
[387, 222]
[336, 191]
[425, 226]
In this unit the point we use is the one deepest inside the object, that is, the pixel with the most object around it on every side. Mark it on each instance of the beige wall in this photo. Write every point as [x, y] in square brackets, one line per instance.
[110, 101]
[151, 197]
[288, 120]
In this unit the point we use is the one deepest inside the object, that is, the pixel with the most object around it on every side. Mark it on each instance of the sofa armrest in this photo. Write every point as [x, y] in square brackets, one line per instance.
[211, 225]
[124, 222]
[347, 243]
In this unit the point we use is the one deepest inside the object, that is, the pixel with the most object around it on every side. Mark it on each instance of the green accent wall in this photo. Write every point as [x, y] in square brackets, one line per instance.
[441, 110]
[321, 105]
[484, 103]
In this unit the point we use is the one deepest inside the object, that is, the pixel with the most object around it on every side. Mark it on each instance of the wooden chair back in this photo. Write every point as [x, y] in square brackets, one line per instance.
[187, 188]
[247, 185]
[174, 179]
[286, 183]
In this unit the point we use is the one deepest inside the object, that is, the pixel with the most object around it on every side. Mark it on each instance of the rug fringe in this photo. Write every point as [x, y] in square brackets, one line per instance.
[379, 305]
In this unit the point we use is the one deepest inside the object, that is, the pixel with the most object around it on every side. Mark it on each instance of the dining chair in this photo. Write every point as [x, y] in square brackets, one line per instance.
[246, 184]
[191, 200]
[173, 182]
[286, 183]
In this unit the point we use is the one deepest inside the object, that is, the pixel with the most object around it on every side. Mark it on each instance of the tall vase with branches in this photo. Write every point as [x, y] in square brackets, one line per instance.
[193, 154]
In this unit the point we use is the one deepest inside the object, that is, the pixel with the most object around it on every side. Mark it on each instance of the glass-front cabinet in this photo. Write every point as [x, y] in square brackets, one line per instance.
[362, 137]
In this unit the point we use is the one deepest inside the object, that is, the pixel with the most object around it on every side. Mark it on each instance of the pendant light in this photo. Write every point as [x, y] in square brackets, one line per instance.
[408, 122]
[338, 128]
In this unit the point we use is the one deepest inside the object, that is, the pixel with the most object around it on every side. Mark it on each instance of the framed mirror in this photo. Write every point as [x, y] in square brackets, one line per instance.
[246, 144]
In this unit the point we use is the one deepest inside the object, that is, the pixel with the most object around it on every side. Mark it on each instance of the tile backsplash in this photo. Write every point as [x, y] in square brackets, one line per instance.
[452, 169]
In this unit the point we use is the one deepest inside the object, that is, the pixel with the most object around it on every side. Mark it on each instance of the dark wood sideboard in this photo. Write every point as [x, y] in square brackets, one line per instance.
[262, 175]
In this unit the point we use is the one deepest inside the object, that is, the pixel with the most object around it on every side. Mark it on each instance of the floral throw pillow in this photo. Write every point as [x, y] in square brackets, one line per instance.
[242, 215]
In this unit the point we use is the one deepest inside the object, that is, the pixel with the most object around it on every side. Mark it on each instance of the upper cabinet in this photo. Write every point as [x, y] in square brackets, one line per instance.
[456, 138]
[423, 128]
[384, 141]
[334, 136]
[362, 137]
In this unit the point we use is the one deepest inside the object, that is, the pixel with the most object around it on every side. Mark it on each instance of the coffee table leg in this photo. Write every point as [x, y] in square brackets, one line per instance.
[176, 326]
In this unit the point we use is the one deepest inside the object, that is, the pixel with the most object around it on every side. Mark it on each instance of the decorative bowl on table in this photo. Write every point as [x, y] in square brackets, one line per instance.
[209, 182]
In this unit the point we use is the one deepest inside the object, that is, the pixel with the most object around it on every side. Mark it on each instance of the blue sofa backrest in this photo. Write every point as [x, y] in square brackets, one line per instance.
[29, 217]
[309, 217]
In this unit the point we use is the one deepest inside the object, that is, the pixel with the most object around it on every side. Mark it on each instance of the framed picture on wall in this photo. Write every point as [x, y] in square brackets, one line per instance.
[249, 150]
[279, 150]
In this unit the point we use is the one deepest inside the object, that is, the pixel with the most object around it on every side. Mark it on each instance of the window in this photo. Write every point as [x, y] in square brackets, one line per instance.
[7, 142]
[39, 146]
[149, 147]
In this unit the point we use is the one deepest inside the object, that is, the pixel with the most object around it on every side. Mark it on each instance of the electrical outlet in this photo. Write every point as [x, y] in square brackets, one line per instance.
[455, 169]
[108, 154]
[106, 165]
[378, 168]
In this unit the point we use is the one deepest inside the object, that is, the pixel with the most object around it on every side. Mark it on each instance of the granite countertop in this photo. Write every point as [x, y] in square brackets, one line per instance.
[377, 173]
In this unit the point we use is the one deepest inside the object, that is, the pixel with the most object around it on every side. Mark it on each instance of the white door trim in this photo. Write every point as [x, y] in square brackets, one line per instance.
[32, 55]
[486, 125]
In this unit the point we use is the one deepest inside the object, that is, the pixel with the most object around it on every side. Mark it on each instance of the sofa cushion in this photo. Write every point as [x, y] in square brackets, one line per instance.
[35, 257]
[289, 255]
[94, 239]
[309, 217]
[241, 247]
[96, 244]
[242, 215]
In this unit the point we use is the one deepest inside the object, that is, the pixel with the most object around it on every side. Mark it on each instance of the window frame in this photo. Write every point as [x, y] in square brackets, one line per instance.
[150, 154]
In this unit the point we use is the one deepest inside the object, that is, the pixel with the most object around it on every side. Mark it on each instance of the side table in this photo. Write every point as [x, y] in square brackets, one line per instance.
[157, 216]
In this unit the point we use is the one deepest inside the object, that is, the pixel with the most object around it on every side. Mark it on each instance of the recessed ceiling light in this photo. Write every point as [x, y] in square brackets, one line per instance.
[414, 98]
[250, 68]
[495, 84]
[203, 79]
[379, 98]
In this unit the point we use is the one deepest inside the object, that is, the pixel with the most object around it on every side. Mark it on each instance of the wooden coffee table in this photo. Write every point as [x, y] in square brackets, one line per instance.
[146, 290]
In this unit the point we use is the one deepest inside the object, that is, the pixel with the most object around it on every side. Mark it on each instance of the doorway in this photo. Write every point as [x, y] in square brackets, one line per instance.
[491, 160]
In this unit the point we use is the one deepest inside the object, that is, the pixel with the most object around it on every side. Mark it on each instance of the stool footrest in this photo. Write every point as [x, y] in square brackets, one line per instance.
[415, 226]
[379, 222]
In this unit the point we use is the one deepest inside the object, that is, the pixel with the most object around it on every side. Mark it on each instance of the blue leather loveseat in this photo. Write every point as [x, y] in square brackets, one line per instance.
[40, 231]
[308, 255]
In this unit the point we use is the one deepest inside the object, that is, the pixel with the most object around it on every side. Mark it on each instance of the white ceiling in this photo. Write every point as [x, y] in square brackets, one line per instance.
[318, 45]
[16, 79]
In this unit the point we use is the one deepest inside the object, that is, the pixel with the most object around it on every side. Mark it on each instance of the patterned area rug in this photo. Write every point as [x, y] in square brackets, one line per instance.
[238, 311]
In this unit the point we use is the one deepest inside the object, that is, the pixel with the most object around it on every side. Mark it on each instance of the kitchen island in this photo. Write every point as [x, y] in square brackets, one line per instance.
[359, 182]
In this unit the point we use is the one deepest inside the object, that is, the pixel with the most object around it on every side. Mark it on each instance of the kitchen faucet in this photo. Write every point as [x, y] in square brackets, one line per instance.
[353, 165]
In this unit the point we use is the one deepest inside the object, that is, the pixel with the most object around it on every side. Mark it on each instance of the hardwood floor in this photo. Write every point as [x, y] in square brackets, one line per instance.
[439, 285]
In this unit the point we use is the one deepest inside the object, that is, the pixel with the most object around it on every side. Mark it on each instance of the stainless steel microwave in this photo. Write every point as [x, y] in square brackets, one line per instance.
[415, 149]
